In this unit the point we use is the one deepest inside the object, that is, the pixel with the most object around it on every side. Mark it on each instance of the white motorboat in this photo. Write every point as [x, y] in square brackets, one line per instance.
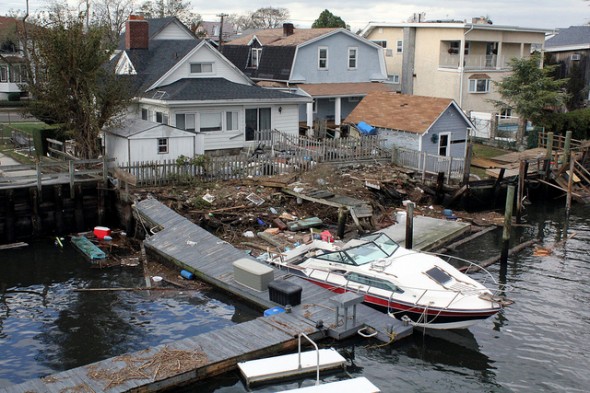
[416, 286]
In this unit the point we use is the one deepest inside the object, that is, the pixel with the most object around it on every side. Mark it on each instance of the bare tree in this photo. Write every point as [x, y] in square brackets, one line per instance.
[177, 8]
[262, 18]
[112, 13]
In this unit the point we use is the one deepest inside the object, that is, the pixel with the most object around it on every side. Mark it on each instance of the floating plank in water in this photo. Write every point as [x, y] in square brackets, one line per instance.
[89, 249]
[357, 385]
[13, 245]
[288, 365]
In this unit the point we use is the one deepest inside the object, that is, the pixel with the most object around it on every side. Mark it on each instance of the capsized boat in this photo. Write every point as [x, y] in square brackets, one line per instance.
[418, 287]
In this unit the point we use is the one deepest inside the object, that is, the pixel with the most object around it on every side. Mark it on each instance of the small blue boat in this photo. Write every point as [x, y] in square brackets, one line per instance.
[89, 249]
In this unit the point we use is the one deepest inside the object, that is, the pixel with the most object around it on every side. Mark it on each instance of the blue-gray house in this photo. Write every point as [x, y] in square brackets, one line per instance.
[436, 126]
[332, 65]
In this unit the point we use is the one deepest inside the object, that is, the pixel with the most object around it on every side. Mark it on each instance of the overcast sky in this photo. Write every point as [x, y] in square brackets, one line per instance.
[547, 14]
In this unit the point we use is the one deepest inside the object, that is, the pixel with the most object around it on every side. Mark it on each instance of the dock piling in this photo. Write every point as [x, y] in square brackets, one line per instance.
[507, 226]
[409, 225]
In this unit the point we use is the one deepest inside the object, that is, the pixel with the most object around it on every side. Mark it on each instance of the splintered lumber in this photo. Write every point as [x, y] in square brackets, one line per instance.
[492, 260]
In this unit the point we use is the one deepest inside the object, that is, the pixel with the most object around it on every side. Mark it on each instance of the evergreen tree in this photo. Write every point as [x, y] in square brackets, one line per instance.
[530, 90]
[327, 19]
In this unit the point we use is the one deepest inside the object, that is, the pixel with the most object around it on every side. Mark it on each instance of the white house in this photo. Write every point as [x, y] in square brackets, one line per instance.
[187, 84]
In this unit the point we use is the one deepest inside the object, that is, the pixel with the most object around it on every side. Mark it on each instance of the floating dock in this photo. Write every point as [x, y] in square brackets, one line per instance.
[285, 366]
[89, 249]
[178, 240]
[356, 385]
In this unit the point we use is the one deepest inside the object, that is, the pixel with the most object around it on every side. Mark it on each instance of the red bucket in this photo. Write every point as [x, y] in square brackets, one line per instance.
[101, 232]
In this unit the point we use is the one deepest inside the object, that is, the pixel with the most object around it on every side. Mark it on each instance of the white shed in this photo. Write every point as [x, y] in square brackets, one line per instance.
[136, 140]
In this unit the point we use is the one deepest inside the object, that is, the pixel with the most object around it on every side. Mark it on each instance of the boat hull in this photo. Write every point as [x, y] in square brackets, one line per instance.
[432, 318]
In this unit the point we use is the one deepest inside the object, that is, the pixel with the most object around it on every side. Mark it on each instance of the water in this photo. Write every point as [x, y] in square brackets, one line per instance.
[46, 326]
[540, 343]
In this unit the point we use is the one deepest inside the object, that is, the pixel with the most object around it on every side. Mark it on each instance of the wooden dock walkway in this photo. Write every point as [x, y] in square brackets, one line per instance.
[190, 247]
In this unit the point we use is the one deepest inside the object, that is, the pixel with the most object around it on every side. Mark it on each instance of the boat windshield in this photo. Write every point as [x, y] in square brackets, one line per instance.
[377, 246]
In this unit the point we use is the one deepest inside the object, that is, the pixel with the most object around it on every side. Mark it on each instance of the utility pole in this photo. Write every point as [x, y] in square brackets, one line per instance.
[222, 15]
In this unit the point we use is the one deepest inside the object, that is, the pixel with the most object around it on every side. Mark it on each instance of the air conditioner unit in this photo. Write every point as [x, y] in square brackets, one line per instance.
[576, 57]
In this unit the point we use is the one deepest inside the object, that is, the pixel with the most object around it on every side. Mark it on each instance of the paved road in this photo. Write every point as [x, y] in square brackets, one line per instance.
[13, 115]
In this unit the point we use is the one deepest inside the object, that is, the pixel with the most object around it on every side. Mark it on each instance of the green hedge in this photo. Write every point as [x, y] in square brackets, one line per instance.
[577, 121]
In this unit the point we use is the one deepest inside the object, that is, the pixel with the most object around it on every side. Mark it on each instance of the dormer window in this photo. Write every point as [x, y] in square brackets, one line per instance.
[254, 59]
[201, 68]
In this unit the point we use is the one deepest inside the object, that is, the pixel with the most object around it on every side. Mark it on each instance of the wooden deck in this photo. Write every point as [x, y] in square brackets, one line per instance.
[192, 359]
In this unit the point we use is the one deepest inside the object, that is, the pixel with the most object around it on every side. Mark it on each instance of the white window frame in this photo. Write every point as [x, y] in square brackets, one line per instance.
[394, 78]
[163, 117]
[203, 115]
[355, 58]
[448, 146]
[399, 46]
[163, 145]
[188, 119]
[323, 59]
[476, 88]
[235, 117]
[255, 59]
[201, 65]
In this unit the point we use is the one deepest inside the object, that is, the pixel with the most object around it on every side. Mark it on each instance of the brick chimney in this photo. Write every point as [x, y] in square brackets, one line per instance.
[136, 32]
[287, 29]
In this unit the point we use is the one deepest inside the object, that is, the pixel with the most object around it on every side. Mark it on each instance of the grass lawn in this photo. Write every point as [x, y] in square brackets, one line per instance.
[484, 151]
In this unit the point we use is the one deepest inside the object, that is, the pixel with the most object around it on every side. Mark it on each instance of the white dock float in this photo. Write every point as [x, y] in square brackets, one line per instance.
[355, 385]
[285, 366]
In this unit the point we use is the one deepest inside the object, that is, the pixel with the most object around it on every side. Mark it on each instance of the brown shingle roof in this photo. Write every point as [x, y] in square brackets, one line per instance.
[343, 89]
[398, 111]
[275, 37]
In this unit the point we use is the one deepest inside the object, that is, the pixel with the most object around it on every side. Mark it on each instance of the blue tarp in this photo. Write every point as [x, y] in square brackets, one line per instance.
[366, 129]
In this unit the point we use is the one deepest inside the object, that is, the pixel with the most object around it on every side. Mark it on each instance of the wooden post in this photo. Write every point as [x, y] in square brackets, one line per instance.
[58, 209]
[342, 216]
[570, 182]
[440, 180]
[521, 184]
[35, 217]
[39, 180]
[71, 171]
[424, 166]
[409, 225]
[467, 165]
[566, 146]
[549, 147]
[507, 226]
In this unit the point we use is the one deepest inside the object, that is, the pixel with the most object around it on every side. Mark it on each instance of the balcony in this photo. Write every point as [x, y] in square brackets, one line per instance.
[474, 62]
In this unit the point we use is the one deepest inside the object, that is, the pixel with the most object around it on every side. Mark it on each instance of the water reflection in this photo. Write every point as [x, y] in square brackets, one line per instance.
[47, 326]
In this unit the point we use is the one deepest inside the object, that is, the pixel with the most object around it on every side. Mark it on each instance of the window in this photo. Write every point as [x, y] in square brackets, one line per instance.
[257, 120]
[210, 121]
[382, 44]
[185, 121]
[505, 113]
[479, 85]
[393, 78]
[3, 73]
[443, 144]
[144, 114]
[18, 73]
[352, 55]
[201, 68]
[254, 59]
[400, 46]
[162, 145]
[231, 121]
[323, 58]
[454, 47]
[161, 117]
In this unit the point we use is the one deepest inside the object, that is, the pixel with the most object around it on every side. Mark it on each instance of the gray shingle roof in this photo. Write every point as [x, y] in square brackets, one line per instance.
[573, 35]
[217, 89]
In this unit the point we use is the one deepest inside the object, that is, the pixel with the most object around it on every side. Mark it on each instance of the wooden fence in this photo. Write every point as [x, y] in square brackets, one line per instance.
[428, 163]
[284, 154]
